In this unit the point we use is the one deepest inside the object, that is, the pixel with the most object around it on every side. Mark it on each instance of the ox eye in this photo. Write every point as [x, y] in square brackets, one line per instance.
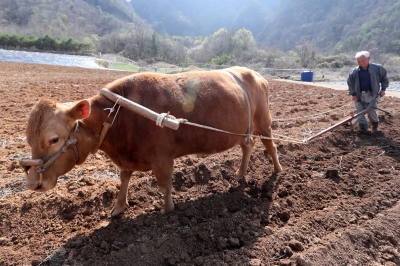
[54, 140]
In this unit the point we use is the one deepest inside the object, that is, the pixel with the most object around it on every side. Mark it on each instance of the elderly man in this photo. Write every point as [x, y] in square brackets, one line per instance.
[363, 82]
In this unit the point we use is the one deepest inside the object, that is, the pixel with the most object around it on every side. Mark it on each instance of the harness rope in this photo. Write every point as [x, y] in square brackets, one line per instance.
[184, 121]
[107, 125]
[248, 134]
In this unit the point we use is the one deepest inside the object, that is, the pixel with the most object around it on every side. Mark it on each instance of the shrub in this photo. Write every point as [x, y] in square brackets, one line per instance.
[221, 60]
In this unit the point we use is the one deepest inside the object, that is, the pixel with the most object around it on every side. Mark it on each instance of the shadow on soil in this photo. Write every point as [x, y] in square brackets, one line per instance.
[197, 231]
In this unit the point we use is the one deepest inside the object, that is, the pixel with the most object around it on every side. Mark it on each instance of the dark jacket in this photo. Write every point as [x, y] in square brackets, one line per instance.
[377, 75]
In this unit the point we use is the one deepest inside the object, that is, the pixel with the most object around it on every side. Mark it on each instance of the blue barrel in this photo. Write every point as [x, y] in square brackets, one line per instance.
[307, 76]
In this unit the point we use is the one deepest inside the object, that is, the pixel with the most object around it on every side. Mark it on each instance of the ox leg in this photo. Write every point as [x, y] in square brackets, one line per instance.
[163, 170]
[122, 203]
[245, 159]
[271, 149]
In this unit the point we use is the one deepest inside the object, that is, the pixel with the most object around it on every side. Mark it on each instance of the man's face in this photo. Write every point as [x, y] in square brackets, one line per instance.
[363, 61]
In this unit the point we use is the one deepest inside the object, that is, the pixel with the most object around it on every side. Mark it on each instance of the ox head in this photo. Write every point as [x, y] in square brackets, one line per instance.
[48, 133]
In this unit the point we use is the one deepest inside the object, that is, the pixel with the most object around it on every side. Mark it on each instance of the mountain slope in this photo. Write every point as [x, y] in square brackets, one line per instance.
[330, 26]
[344, 25]
[192, 18]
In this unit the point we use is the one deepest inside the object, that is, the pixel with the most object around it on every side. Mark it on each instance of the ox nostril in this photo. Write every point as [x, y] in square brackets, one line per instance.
[26, 168]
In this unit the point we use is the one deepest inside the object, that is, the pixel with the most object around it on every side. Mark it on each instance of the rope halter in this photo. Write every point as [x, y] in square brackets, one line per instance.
[40, 167]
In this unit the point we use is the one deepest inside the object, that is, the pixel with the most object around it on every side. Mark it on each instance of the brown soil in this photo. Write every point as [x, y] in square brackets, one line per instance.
[336, 203]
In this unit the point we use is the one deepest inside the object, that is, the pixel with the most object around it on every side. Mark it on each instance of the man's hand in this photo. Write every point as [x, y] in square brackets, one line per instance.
[382, 93]
[354, 98]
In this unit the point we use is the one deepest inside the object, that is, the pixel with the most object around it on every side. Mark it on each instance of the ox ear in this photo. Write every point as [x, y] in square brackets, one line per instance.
[80, 110]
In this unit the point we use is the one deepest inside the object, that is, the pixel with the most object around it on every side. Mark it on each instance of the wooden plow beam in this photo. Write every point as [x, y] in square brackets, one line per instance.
[336, 125]
[366, 109]
[354, 119]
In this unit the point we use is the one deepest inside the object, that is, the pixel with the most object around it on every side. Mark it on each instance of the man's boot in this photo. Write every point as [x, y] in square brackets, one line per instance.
[375, 128]
[363, 127]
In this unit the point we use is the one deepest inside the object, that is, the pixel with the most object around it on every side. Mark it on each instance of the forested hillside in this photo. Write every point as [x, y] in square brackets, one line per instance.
[274, 33]
[342, 25]
[70, 18]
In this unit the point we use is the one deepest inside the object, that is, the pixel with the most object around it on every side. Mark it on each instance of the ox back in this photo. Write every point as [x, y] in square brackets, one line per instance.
[208, 98]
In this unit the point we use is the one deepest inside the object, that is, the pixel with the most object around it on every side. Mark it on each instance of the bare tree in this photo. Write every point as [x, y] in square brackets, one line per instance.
[306, 53]
[220, 43]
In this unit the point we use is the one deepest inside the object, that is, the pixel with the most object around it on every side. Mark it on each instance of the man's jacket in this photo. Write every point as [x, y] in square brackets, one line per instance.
[377, 74]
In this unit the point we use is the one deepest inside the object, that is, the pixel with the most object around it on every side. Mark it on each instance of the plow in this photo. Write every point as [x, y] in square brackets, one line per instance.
[353, 119]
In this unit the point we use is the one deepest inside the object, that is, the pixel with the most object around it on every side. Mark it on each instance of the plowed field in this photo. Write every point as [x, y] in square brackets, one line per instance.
[336, 203]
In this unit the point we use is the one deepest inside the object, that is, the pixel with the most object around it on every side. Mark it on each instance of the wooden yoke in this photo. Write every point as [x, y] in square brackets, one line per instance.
[166, 120]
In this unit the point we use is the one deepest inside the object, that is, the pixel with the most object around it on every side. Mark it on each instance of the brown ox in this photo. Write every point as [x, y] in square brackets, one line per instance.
[135, 143]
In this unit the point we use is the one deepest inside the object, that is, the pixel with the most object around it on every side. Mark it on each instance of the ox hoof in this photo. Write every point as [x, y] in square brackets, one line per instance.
[239, 179]
[278, 169]
[169, 208]
[117, 210]
[166, 210]
[239, 176]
